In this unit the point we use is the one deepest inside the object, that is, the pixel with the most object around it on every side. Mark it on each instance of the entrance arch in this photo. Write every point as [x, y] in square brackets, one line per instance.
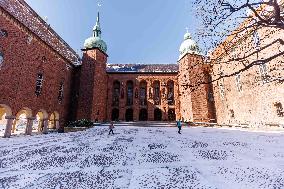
[41, 118]
[129, 114]
[143, 115]
[54, 121]
[21, 122]
[115, 114]
[157, 115]
[171, 115]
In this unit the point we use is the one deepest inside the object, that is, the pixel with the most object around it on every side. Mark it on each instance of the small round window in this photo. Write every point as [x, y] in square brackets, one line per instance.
[1, 59]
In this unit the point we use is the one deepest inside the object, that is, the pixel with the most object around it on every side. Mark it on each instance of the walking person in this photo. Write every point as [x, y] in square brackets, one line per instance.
[179, 126]
[111, 126]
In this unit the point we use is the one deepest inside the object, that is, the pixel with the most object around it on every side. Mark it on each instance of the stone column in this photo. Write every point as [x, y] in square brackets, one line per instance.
[45, 126]
[9, 125]
[14, 125]
[29, 127]
[57, 125]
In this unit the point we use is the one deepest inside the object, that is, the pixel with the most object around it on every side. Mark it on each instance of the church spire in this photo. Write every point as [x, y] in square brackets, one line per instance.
[97, 27]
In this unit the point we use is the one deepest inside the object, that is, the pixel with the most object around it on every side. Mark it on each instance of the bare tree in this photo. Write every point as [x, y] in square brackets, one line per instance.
[230, 28]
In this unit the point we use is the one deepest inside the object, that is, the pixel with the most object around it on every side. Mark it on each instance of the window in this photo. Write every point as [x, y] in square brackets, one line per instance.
[238, 82]
[157, 99]
[211, 96]
[3, 33]
[1, 59]
[232, 113]
[279, 109]
[263, 72]
[39, 82]
[115, 93]
[143, 93]
[171, 93]
[256, 40]
[61, 92]
[221, 85]
[129, 89]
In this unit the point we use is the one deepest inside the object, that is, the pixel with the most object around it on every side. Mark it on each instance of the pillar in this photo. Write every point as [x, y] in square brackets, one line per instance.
[45, 126]
[14, 125]
[29, 126]
[10, 120]
[57, 125]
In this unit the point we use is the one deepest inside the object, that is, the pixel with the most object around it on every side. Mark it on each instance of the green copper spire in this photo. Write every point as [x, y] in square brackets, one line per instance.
[97, 27]
[96, 41]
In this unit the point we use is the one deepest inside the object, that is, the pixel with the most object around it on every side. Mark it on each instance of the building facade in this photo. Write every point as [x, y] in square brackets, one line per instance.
[44, 83]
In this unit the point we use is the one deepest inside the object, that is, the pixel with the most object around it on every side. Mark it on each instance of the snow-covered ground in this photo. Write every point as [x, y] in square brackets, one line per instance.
[141, 157]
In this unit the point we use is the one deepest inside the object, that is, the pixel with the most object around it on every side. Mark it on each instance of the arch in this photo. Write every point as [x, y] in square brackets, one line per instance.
[171, 92]
[171, 115]
[157, 115]
[129, 114]
[53, 120]
[157, 92]
[115, 93]
[143, 115]
[143, 93]
[115, 114]
[6, 109]
[129, 92]
[21, 121]
[39, 121]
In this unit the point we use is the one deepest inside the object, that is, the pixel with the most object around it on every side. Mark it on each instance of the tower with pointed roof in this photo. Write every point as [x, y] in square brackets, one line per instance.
[195, 104]
[93, 78]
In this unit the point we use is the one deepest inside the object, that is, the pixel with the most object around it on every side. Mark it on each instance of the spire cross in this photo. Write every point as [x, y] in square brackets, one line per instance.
[187, 29]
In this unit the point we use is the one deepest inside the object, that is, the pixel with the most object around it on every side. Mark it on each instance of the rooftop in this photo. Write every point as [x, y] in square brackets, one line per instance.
[22, 12]
[142, 68]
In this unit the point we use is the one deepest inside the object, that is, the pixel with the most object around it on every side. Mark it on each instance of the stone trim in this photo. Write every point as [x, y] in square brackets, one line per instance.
[10, 117]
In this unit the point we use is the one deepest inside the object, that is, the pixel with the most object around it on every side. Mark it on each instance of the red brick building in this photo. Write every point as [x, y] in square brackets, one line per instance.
[43, 83]
[36, 70]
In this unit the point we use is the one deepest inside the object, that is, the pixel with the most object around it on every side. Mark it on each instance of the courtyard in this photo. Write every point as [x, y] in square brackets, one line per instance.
[144, 157]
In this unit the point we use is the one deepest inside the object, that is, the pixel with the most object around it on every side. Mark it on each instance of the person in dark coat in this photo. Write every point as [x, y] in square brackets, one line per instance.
[179, 126]
[111, 126]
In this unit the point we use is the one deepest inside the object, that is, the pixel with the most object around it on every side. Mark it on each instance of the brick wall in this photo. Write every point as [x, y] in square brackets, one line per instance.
[92, 102]
[255, 103]
[193, 79]
[25, 55]
[163, 78]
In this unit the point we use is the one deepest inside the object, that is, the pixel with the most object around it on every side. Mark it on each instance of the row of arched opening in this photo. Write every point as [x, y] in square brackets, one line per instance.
[118, 92]
[24, 122]
[143, 114]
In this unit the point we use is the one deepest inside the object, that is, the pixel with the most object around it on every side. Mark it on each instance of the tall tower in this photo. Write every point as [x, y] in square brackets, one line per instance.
[93, 79]
[194, 90]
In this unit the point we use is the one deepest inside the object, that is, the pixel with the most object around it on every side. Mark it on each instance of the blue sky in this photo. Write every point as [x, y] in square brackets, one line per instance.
[136, 31]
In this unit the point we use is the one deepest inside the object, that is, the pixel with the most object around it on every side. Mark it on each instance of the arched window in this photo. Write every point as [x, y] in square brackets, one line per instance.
[143, 93]
[171, 97]
[157, 98]
[115, 93]
[129, 88]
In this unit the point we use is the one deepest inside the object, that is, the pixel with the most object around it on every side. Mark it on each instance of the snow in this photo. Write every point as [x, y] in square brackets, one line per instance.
[144, 157]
